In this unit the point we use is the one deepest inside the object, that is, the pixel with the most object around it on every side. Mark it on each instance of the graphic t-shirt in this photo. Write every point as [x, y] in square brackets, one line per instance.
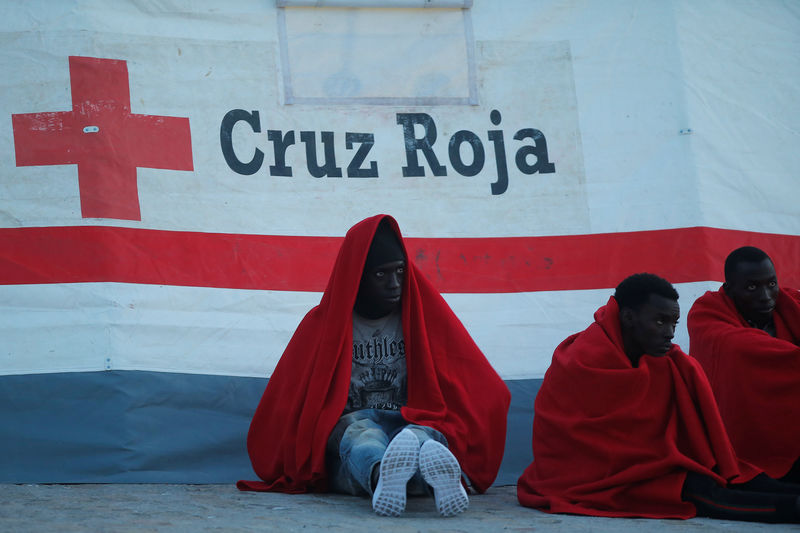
[379, 378]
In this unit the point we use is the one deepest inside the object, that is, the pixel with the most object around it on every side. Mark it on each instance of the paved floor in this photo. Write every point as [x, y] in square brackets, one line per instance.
[120, 508]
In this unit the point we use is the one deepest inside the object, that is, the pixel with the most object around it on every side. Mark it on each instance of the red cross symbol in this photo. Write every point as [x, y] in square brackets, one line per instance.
[103, 138]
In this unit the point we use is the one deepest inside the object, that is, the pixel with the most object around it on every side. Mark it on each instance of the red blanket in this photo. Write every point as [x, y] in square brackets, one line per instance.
[613, 440]
[755, 377]
[451, 385]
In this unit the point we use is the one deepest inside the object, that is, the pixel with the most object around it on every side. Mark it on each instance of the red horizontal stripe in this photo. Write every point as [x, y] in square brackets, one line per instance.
[456, 265]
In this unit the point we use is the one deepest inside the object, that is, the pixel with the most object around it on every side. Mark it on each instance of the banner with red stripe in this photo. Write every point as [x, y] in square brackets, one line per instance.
[80, 254]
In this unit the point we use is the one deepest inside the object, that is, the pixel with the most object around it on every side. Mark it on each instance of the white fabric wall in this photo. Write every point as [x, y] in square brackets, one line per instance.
[658, 115]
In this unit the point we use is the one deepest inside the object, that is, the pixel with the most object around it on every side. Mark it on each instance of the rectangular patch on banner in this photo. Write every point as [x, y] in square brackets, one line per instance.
[377, 56]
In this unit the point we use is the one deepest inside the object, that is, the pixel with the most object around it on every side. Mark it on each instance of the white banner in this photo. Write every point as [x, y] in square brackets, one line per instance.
[504, 120]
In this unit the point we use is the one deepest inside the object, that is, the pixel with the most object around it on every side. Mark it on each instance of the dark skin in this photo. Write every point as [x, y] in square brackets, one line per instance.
[650, 328]
[381, 289]
[753, 287]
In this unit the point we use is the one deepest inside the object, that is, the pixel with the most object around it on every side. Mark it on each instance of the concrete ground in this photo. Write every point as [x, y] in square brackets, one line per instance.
[120, 508]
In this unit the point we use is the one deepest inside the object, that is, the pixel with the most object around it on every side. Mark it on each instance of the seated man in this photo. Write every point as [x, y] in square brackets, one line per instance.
[379, 367]
[747, 337]
[625, 424]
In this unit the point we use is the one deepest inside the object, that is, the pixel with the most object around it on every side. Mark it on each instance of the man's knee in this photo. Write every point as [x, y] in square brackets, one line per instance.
[363, 433]
[424, 433]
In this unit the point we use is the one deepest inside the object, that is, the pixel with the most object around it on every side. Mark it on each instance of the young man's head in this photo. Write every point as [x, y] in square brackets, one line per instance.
[752, 284]
[382, 278]
[648, 314]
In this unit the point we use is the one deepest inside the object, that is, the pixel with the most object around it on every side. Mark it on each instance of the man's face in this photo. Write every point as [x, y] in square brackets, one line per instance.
[380, 290]
[650, 329]
[753, 287]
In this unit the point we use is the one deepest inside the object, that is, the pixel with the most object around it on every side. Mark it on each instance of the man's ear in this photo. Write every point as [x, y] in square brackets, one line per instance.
[626, 317]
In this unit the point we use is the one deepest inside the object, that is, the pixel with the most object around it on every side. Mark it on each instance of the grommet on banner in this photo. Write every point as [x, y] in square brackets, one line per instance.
[91, 129]
[687, 131]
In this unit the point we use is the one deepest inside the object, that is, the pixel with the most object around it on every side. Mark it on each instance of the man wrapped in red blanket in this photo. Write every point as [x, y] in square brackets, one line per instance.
[625, 424]
[747, 337]
[380, 390]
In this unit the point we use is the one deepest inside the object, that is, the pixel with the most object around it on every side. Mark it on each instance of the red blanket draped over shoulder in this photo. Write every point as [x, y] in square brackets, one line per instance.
[755, 377]
[610, 439]
[451, 385]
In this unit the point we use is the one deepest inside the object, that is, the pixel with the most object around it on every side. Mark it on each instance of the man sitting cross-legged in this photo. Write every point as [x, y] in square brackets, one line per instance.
[625, 424]
[381, 389]
[747, 337]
